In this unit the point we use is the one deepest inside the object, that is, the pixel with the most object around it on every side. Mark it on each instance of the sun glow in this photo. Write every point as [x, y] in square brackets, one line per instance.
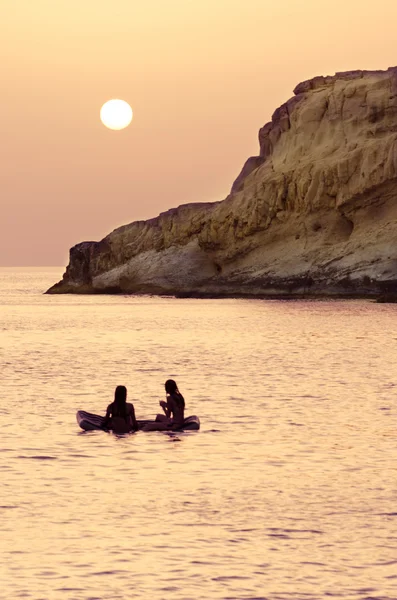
[116, 114]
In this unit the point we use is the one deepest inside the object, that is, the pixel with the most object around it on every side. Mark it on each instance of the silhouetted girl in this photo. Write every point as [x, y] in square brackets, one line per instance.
[174, 410]
[120, 414]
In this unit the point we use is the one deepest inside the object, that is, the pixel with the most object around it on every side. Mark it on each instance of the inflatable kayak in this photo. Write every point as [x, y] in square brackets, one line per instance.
[90, 422]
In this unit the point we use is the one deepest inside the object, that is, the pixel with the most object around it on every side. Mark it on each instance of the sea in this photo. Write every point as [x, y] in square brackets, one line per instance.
[287, 492]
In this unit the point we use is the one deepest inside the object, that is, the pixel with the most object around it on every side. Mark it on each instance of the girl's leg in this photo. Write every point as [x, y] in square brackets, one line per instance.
[161, 418]
[155, 427]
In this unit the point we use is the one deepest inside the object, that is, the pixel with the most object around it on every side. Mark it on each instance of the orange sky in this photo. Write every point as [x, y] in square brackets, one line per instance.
[202, 76]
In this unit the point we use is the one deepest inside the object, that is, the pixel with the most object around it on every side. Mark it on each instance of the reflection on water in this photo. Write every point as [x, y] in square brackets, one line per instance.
[287, 492]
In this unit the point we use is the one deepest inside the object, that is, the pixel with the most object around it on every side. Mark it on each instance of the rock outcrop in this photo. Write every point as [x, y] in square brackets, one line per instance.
[314, 214]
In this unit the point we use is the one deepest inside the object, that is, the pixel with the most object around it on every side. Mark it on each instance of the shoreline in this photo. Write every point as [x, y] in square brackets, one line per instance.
[380, 298]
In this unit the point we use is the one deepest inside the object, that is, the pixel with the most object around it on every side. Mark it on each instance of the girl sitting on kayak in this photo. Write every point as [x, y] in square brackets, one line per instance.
[174, 410]
[120, 414]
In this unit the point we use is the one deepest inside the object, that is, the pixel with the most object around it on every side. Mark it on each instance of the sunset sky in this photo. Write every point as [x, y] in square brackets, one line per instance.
[202, 76]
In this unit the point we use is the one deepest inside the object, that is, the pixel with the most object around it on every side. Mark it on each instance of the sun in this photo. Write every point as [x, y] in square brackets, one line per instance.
[116, 114]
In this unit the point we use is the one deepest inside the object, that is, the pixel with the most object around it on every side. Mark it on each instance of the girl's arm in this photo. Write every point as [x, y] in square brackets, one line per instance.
[166, 408]
[108, 413]
[133, 419]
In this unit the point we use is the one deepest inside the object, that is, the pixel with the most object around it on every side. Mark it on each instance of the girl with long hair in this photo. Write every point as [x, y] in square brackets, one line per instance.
[120, 414]
[174, 410]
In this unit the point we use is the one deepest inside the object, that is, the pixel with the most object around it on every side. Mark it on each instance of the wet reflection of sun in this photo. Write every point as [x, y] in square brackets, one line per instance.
[116, 114]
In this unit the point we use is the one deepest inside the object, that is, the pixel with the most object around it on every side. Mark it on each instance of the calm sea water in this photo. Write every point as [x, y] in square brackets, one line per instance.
[289, 491]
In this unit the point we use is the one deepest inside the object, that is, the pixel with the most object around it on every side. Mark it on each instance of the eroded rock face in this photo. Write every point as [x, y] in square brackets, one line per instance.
[314, 213]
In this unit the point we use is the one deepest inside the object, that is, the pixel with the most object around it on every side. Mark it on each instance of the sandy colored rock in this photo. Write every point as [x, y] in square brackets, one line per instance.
[314, 213]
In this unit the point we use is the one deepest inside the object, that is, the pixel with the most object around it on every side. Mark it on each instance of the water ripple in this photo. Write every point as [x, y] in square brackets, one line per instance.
[286, 493]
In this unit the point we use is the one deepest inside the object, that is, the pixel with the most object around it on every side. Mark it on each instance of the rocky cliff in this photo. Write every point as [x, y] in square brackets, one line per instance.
[314, 214]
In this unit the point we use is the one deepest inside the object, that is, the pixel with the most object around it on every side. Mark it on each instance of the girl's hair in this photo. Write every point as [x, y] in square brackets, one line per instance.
[119, 404]
[172, 389]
